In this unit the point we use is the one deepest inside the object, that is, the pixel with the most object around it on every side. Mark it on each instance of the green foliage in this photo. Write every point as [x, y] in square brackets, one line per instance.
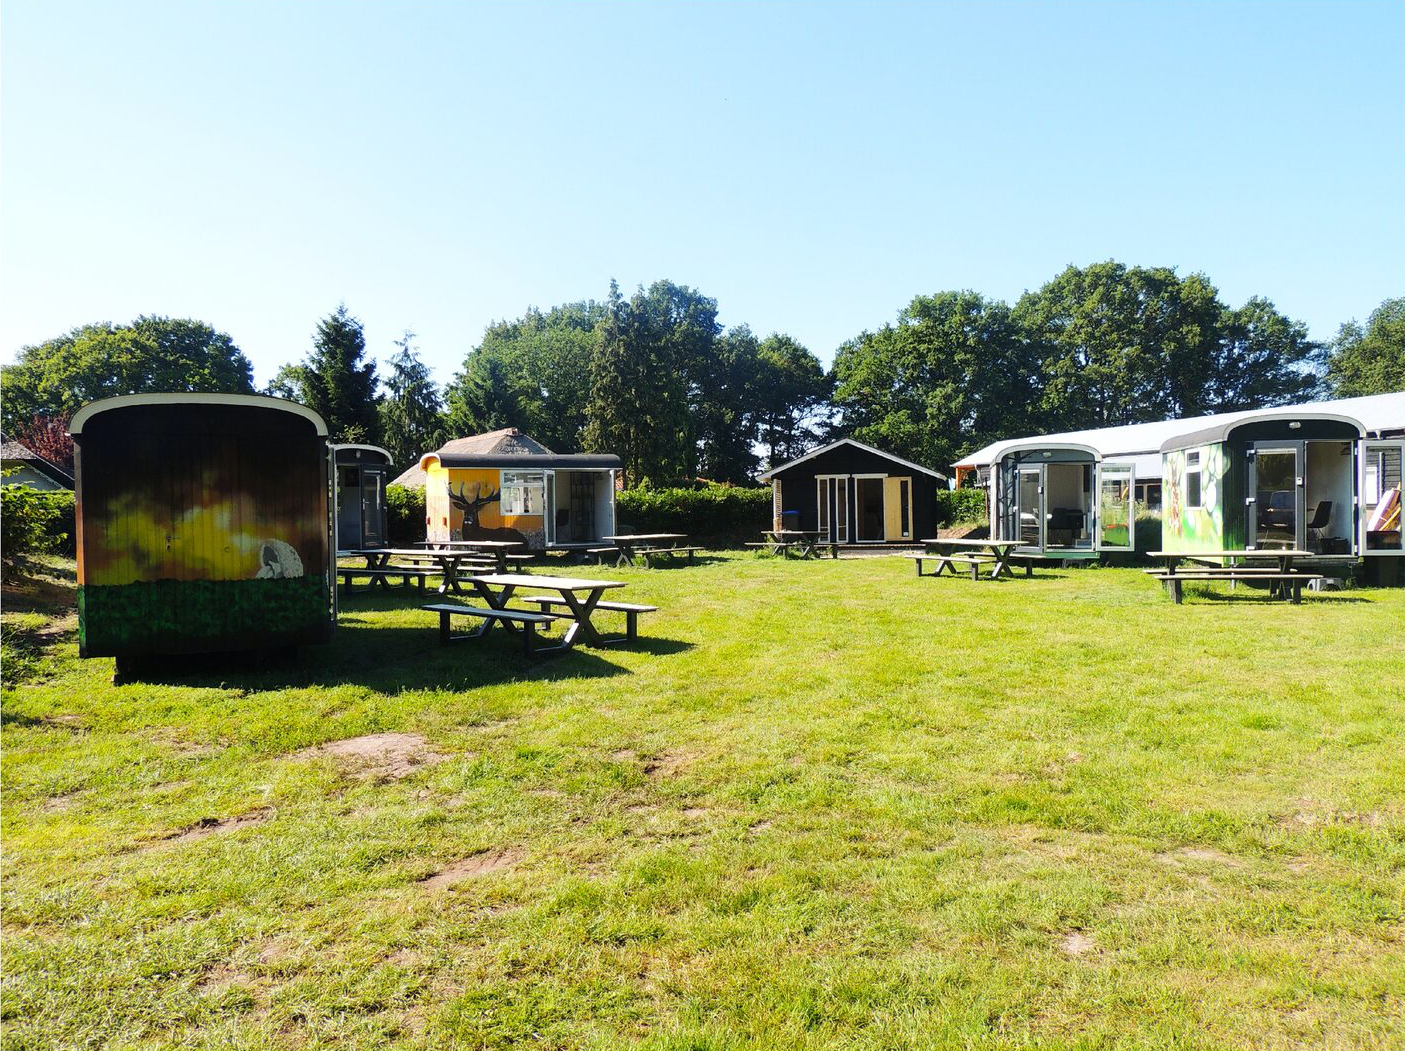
[152, 354]
[31, 523]
[532, 373]
[961, 506]
[709, 512]
[952, 375]
[404, 511]
[412, 414]
[1370, 361]
[1119, 345]
[336, 381]
[790, 398]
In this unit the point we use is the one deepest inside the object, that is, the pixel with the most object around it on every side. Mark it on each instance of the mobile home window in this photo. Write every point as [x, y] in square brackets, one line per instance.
[523, 492]
[1192, 480]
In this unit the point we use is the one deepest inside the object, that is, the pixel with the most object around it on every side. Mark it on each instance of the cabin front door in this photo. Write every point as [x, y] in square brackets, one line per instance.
[1116, 520]
[1381, 485]
[1274, 503]
[833, 497]
[897, 510]
[372, 507]
[1029, 508]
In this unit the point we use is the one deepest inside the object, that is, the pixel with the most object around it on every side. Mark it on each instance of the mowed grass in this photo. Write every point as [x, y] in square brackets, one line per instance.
[823, 805]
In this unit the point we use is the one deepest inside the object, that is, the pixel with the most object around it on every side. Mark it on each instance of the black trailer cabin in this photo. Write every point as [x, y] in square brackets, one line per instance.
[852, 493]
[362, 474]
[202, 525]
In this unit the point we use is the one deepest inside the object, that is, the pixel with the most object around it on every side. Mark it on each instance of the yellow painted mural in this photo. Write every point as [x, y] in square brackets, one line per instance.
[466, 504]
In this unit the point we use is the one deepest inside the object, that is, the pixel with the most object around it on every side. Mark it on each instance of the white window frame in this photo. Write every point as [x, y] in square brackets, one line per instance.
[517, 489]
[1199, 480]
[839, 526]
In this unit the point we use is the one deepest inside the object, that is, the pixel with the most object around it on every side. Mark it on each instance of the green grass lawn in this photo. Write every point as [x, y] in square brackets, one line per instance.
[824, 804]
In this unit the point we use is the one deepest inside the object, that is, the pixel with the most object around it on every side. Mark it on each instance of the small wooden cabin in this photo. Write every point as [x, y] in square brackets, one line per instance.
[544, 500]
[202, 525]
[362, 472]
[852, 493]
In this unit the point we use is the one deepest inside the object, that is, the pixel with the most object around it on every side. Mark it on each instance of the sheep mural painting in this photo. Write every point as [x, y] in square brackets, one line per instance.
[202, 525]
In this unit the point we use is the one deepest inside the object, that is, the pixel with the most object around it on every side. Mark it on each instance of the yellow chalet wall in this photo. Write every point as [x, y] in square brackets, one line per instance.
[466, 504]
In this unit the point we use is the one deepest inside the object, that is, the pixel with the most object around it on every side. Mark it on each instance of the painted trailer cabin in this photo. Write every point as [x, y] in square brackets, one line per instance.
[362, 473]
[852, 493]
[1285, 478]
[544, 500]
[202, 525]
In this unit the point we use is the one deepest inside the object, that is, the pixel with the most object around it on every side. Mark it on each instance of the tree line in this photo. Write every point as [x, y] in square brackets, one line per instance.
[654, 378]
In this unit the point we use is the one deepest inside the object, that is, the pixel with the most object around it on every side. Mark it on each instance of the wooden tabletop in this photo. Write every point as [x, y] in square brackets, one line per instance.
[974, 543]
[418, 552]
[647, 536]
[1255, 552]
[792, 532]
[470, 543]
[522, 580]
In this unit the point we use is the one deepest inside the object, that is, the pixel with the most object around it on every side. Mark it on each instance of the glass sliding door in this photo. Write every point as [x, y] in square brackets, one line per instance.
[1116, 521]
[1381, 468]
[1029, 506]
[833, 495]
[1275, 484]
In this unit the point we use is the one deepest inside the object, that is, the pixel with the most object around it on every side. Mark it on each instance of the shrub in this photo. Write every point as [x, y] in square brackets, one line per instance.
[960, 505]
[404, 513]
[30, 520]
[711, 512]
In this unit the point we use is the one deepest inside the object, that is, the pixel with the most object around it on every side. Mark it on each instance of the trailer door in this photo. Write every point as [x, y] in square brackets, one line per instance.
[1116, 524]
[373, 507]
[1379, 493]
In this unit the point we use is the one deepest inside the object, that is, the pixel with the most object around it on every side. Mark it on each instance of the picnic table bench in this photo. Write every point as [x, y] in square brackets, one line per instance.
[382, 576]
[451, 562]
[631, 610]
[526, 619]
[1283, 580]
[973, 554]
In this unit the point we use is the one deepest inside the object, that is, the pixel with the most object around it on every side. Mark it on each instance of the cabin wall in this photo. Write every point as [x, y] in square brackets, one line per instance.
[466, 504]
[799, 489]
[1202, 527]
[200, 528]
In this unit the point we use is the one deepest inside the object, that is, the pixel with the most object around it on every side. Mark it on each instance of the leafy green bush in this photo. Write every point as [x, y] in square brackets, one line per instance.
[404, 512]
[710, 512]
[30, 520]
[960, 505]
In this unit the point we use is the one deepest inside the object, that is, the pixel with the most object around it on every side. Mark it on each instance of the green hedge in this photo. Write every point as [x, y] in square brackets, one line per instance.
[960, 505]
[712, 512]
[404, 513]
[32, 522]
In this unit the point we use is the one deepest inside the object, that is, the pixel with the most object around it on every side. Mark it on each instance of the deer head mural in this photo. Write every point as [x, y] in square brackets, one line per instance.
[471, 506]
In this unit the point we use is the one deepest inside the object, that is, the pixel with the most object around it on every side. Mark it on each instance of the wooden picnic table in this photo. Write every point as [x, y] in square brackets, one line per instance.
[580, 596]
[1278, 581]
[947, 552]
[498, 549]
[632, 546]
[806, 543]
[449, 562]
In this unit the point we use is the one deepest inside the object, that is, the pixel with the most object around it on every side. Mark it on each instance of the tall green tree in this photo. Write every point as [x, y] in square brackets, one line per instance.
[151, 355]
[412, 413]
[791, 398]
[724, 386]
[336, 380]
[1370, 360]
[540, 365]
[642, 373]
[953, 374]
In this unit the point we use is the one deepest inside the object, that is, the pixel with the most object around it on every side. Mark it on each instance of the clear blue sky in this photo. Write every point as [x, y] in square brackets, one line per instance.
[812, 166]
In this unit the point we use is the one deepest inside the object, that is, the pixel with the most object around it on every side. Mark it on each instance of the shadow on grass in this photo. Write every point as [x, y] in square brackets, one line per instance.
[1244, 593]
[393, 658]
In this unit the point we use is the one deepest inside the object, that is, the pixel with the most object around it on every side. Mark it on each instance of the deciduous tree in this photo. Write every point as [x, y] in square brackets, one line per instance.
[1370, 360]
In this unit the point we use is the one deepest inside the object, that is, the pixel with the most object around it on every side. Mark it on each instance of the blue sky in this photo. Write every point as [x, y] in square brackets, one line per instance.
[442, 165]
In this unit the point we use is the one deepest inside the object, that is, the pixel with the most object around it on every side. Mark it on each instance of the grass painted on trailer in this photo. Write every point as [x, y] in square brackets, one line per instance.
[825, 804]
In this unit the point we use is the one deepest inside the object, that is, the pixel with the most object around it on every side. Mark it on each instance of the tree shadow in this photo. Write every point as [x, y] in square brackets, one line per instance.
[1246, 593]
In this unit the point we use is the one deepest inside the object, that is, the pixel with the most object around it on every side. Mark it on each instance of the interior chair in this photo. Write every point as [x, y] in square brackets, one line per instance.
[1321, 515]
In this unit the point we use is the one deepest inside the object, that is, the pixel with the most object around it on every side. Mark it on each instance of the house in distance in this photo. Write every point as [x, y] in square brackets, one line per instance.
[852, 493]
[505, 486]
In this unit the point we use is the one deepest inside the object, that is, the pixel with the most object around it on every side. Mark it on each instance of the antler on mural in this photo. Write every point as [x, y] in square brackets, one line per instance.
[471, 507]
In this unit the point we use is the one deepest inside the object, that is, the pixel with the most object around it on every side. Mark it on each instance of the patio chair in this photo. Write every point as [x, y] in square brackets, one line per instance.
[1321, 515]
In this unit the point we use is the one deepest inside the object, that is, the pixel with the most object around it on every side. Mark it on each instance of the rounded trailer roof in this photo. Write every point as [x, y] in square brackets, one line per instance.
[1000, 450]
[250, 401]
[363, 448]
[1221, 430]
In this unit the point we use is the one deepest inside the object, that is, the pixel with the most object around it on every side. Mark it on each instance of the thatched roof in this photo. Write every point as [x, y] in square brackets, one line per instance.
[506, 442]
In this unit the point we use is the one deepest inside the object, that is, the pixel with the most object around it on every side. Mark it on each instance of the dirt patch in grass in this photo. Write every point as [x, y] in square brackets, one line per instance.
[667, 764]
[388, 756]
[1201, 855]
[758, 827]
[209, 826]
[64, 722]
[481, 864]
[1077, 943]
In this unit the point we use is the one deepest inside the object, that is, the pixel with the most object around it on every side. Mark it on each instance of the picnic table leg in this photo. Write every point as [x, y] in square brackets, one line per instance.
[497, 600]
[976, 571]
[1002, 563]
[443, 628]
[529, 635]
[581, 611]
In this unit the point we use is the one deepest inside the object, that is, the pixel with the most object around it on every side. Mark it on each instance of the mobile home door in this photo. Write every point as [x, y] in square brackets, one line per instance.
[1380, 487]
[1116, 523]
[1275, 499]
[1029, 507]
[372, 506]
